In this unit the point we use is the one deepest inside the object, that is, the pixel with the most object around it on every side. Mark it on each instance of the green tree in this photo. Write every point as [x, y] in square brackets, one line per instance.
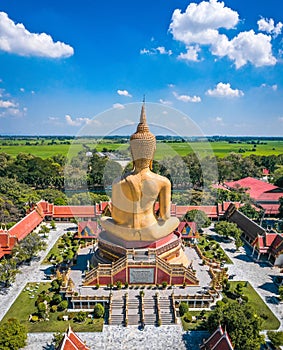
[63, 305]
[8, 271]
[13, 335]
[276, 338]
[199, 217]
[229, 229]
[57, 338]
[280, 291]
[183, 308]
[250, 211]
[98, 310]
[241, 322]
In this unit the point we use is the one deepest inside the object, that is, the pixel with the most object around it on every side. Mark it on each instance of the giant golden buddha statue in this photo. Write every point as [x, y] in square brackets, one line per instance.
[134, 195]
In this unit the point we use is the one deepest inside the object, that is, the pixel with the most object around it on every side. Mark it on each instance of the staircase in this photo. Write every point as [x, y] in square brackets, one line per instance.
[117, 311]
[150, 312]
[166, 311]
[134, 312]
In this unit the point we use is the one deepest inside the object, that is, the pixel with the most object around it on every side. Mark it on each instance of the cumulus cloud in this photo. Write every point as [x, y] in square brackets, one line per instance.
[268, 26]
[224, 90]
[191, 54]
[200, 25]
[187, 98]
[15, 38]
[154, 51]
[118, 106]
[76, 121]
[218, 119]
[124, 93]
[7, 104]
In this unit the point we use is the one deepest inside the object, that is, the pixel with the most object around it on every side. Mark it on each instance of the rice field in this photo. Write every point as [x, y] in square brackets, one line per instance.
[202, 148]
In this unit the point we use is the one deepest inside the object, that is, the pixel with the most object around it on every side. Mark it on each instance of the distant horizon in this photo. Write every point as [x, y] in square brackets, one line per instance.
[157, 136]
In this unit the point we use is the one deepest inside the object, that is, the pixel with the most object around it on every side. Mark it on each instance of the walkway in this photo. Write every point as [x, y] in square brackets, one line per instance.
[31, 273]
[130, 338]
[260, 275]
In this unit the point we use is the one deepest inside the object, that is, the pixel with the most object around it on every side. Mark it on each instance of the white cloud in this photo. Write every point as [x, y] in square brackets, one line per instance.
[280, 119]
[22, 89]
[200, 25]
[77, 121]
[154, 51]
[246, 47]
[118, 106]
[165, 102]
[273, 87]
[268, 26]
[200, 22]
[224, 90]
[191, 54]
[123, 93]
[187, 98]
[7, 104]
[218, 119]
[15, 38]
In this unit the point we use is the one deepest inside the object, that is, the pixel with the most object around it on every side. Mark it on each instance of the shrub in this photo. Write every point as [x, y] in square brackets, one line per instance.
[119, 284]
[80, 317]
[56, 299]
[60, 317]
[34, 318]
[245, 298]
[53, 308]
[183, 308]
[98, 311]
[164, 284]
[188, 317]
[63, 305]
[126, 284]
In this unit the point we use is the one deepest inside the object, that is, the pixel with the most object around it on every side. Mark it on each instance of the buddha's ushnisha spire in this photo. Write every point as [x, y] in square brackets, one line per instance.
[142, 142]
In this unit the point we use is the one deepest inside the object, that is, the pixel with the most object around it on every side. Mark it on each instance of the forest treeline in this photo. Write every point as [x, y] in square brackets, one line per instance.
[87, 179]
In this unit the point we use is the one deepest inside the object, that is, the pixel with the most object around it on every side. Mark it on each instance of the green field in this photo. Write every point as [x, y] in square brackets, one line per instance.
[24, 306]
[202, 148]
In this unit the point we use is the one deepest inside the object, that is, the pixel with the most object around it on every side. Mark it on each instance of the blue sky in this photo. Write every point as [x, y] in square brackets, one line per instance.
[64, 62]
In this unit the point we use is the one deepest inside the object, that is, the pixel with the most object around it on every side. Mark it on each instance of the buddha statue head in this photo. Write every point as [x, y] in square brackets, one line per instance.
[142, 143]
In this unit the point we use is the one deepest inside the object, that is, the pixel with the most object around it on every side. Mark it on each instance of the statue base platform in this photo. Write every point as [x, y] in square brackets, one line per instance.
[148, 263]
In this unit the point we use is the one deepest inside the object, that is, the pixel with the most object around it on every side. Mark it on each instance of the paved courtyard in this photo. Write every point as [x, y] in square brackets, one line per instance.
[130, 338]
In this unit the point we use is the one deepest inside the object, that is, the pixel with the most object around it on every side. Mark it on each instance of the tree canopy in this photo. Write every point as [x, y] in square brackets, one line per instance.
[241, 322]
[13, 335]
[199, 217]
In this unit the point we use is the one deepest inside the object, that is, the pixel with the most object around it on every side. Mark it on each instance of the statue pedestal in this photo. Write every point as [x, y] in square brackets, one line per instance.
[150, 263]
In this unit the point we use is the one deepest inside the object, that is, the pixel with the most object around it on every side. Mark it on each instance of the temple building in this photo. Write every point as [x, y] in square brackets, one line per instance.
[263, 194]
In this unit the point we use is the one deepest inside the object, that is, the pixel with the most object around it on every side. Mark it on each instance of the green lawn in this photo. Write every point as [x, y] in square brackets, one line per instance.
[202, 148]
[269, 320]
[24, 306]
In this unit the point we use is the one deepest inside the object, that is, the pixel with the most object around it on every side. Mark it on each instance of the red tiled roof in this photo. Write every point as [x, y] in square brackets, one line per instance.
[73, 211]
[88, 226]
[270, 196]
[210, 210]
[219, 340]
[255, 187]
[270, 209]
[72, 342]
[22, 228]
